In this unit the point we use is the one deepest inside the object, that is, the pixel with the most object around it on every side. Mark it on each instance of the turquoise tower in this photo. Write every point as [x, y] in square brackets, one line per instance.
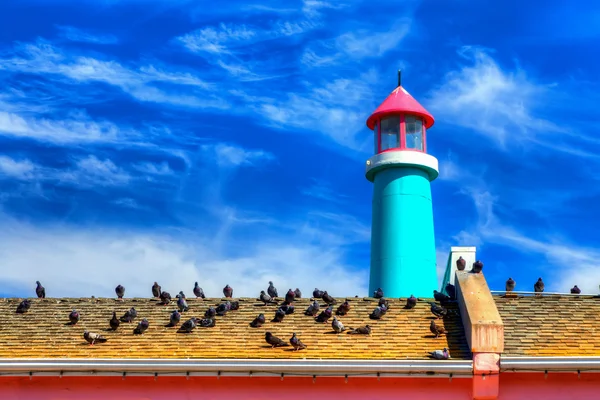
[403, 258]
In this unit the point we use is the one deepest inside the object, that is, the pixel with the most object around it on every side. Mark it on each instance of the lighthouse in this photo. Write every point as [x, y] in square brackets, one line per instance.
[403, 258]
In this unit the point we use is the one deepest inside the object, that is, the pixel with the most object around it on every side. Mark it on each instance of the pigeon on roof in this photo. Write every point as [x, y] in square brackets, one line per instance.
[198, 292]
[343, 308]
[129, 315]
[575, 290]
[223, 308]
[265, 298]
[279, 315]
[325, 315]
[181, 294]
[165, 298]
[312, 309]
[378, 293]
[40, 291]
[477, 267]
[510, 284]
[441, 297]
[24, 306]
[384, 302]
[451, 290]
[327, 298]
[438, 311]
[272, 290]
[296, 343]
[411, 302]
[228, 291]
[120, 291]
[337, 325]
[182, 303]
[287, 308]
[258, 321]
[362, 330]
[210, 313]
[74, 317]
[141, 327]
[234, 305]
[378, 312]
[114, 321]
[461, 263]
[207, 322]
[317, 294]
[92, 338]
[274, 341]
[538, 287]
[436, 329]
[156, 290]
[290, 296]
[188, 326]
[440, 354]
[298, 293]
[174, 318]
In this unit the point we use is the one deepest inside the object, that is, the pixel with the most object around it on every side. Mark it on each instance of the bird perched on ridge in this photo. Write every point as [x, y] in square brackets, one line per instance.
[337, 325]
[92, 338]
[510, 284]
[287, 308]
[207, 322]
[198, 292]
[156, 290]
[317, 294]
[210, 313]
[378, 312]
[290, 296]
[272, 290]
[265, 298]
[451, 290]
[298, 293]
[114, 321]
[384, 302]
[411, 302]
[223, 308]
[24, 306]
[436, 329]
[312, 309]
[141, 327]
[182, 303]
[327, 298]
[274, 341]
[477, 267]
[325, 315]
[343, 308]
[575, 290]
[258, 321]
[538, 287]
[296, 343]
[279, 315]
[228, 291]
[74, 317]
[174, 318]
[129, 315]
[378, 293]
[188, 326]
[40, 291]
[441, 297]
[181, 294]
[165, 298]
[234, 305]
[363, 330]
[440, 354]
[438, 311]
[461, 263]
[120, 291]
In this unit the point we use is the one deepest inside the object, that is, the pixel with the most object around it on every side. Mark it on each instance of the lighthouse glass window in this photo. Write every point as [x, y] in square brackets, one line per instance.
[414, 133]
[390, 133]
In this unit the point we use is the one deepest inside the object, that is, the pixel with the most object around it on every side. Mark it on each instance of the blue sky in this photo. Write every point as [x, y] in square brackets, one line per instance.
[177, 141]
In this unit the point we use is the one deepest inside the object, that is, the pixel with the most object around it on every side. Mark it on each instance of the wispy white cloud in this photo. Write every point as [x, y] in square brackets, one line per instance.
[228, 155]
[18, 169]
[78, 35]
[322, 190]
[149, 168]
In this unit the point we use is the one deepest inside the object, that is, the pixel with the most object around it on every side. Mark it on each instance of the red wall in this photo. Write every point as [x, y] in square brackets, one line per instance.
[556, 386]
[208, 388]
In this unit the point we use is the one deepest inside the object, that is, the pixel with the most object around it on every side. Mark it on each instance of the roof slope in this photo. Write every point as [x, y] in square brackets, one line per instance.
[44, 331]
[551, 325]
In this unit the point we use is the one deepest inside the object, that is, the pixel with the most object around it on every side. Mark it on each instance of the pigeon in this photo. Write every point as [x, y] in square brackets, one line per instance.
[129, 315]
[297, 293]
[436, 329]
[223, 308]
[198, 292]
[477, 267]
[317, 294]
[228, 291]
[327, 298]
[258, 321]
[114, 321]
[343, 308]
[296, 343]
[438, 311]
[378, 312]
[290, 296]
[234, 305]
[384, 302]
[272, 290]
[92, 338]
[411, 302]
[539, 286]
[274, 341]
[378, 294]
[287, 308]
[40, 290]
[156, 290]
[265, 298]
[461, 263]
[74, 317]
[363, 330]
[312, 309]
[207, 322]
[120, 291]
[441, 297]
[181, 294]
[24, 306]
[575, 290]
[174, 318]
[182, 304]
[325, 315]
[451, 290]
[279, 315]
[165, 298]
[210, 313]
[337, 325]
[510, 285]
[141, 327]
[440, 354]
[188, 325]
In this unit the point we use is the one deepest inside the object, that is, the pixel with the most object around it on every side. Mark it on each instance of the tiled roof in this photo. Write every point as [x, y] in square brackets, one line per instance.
[550, 325]
[44, 332]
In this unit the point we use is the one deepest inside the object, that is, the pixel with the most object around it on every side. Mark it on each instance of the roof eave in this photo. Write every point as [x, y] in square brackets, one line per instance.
[576, 363]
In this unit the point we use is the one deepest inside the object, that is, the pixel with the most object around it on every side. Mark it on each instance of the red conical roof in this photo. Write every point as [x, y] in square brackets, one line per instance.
[400, 101]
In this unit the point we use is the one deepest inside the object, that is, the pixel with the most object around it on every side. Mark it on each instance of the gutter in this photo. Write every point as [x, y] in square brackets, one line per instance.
[16, 366]
[549, 364]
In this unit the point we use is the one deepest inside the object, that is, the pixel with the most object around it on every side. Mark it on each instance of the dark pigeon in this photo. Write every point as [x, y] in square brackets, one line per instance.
[142, 326]
[312, 309]
[265, 298]
[235, 305]
[287, 308]
[198, 292]
[441, 297]
[114, 322]
[24, 306]
[74, 317]
[223, 308]
[228, 291]
[188, 325]
[477, 267]
[438, 311]
[317, 294]
[120, 291]
[129, 315]
[279, 315]
[181, 294]
[337, 325]
[174, 318]
[327, 298]
[510, 285]
[411, 302]
[258, 321]
[325, 315]
[343, 308]
[461, 263]
[290, 296]
[436, 329]
[296, 343]
[274, 341]
[210, 313]
[156, 290]
[297, 293]
[440, 354]
[451, 290]
[40, 291]
[384, 302]
[575, 290]
[165, 298]
[92, 338]
[207, 322]
[272, 290]
[378, 312]
[378, 294]
[363, 330]
[182, 304]
[539, 286]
